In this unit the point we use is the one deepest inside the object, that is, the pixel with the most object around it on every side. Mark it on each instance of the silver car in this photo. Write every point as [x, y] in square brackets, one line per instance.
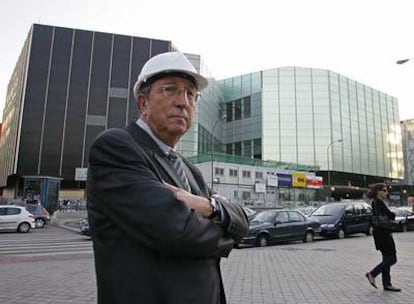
[16, 218]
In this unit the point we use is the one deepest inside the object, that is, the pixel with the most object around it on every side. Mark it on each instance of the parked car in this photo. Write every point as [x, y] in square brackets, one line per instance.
[271, 226]
[404, 220]
[16, 218]
[306, 210]
[84, 227]
[249, 212]
[41, 215]
[344, 218]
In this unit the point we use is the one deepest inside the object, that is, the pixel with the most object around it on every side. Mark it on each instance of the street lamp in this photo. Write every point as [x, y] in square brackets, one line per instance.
[402, 61]
[222, 117]
[329, 172]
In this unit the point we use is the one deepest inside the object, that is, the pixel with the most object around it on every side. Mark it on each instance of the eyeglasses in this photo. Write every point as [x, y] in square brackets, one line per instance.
[173, 91]
[384, 190]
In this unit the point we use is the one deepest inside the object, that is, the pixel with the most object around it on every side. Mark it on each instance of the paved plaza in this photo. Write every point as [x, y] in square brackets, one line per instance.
[325, 271]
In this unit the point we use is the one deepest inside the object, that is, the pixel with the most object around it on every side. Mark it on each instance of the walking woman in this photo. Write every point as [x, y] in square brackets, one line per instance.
[383, 239]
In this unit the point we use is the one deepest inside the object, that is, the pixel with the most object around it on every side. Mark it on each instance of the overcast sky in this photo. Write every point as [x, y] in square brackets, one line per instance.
[360, 39]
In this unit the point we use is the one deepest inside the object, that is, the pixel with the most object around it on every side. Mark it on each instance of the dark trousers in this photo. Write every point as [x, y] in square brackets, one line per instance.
[388, 259]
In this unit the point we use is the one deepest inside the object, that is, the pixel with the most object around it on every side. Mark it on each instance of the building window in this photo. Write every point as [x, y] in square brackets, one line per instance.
[229, 148]
[233, 173]
[245, 195]
[246, 107]
[237, 110]
[258, 175]
[257, 148]
[236, 194]
[247, 148]
[237, 148]
[246, 174]
[229, 112]
[219, 171]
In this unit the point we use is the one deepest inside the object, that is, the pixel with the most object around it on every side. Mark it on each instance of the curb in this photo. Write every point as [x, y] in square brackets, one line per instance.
[65, 225]
[68, 221]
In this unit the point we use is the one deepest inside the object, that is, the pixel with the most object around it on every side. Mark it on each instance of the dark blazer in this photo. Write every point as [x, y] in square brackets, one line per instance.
[383, 237]
[150, 247]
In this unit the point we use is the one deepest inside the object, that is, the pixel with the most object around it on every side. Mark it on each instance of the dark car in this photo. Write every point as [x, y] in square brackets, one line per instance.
[271, 226]
[306, 210]
[41, 215]
[84, 227]
[344, 218]
[249, 212]
[404, 220]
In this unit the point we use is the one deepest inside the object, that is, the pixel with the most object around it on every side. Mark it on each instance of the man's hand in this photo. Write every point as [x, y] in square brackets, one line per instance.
[221, 198]
[200, 204]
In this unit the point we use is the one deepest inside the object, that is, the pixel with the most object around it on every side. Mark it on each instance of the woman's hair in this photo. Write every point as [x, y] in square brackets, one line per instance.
[373, 192]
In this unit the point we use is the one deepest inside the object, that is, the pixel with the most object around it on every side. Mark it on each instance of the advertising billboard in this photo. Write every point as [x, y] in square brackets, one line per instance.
[284, 180]
[272, 180]
[298, 180]
[314, 182]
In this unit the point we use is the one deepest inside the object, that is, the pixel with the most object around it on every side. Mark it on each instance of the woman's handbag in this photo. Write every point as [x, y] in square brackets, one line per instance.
[381, 221]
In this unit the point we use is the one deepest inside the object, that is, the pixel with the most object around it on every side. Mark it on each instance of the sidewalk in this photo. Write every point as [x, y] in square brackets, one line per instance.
[326, 271]
[68, 219]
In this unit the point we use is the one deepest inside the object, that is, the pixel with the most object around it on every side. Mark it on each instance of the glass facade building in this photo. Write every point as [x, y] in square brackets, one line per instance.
[407, 129]
[313, 117]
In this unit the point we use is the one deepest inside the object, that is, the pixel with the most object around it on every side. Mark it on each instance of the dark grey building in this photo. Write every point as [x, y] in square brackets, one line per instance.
[68, 85]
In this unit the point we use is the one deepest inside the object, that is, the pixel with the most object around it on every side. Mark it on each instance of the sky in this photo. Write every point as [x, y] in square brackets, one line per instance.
[360, 39]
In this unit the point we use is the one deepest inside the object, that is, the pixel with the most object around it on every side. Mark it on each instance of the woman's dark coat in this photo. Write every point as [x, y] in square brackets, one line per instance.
[382, 236]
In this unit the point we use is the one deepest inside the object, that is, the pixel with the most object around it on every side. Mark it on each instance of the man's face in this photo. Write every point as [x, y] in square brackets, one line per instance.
[169, 107]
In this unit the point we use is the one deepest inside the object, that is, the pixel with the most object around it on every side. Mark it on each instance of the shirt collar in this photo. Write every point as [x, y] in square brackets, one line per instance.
[164, 147]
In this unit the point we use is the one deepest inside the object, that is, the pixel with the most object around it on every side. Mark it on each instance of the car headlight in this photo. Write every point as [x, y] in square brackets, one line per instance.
[327, 226]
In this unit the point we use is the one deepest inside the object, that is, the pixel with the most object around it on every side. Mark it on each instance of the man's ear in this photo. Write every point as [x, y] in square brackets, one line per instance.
[142, 102]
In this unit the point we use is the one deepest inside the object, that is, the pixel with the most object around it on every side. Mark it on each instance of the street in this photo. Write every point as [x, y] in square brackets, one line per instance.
[55, 265]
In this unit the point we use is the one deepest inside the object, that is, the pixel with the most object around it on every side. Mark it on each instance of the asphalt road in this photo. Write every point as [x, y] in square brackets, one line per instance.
[55, 265]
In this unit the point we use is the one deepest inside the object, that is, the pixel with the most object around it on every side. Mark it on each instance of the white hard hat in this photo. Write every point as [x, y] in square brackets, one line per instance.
[169, 63]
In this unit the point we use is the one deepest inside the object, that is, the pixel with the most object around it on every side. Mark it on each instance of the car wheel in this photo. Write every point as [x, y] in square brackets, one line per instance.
[262, 241]
[40, 223]
[370, 230]
[308, 237]
[341, 233]
[23, 227]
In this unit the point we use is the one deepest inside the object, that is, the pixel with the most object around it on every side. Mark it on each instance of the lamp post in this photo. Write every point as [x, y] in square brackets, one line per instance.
[212, 149]
[329, 171]
[402, 61]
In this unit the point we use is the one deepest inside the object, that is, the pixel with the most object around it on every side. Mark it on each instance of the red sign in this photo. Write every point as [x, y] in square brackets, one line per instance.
[314, 182]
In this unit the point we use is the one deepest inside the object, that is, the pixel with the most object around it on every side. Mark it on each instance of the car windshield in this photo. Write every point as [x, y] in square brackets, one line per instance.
[399, 212]
[249, 211]
[328, 209]
[31, 208]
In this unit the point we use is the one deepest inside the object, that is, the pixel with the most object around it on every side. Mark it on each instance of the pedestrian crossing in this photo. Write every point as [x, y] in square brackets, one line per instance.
[44, 242]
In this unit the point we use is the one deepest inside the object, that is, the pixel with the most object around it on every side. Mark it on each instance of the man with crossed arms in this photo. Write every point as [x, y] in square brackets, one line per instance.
[158, 232]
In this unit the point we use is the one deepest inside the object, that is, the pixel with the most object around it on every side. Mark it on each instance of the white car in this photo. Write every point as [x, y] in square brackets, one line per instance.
[16, 218]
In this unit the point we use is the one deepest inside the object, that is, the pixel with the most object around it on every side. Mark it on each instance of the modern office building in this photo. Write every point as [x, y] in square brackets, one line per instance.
[407, 129]
[69, 85]
[348, 131]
